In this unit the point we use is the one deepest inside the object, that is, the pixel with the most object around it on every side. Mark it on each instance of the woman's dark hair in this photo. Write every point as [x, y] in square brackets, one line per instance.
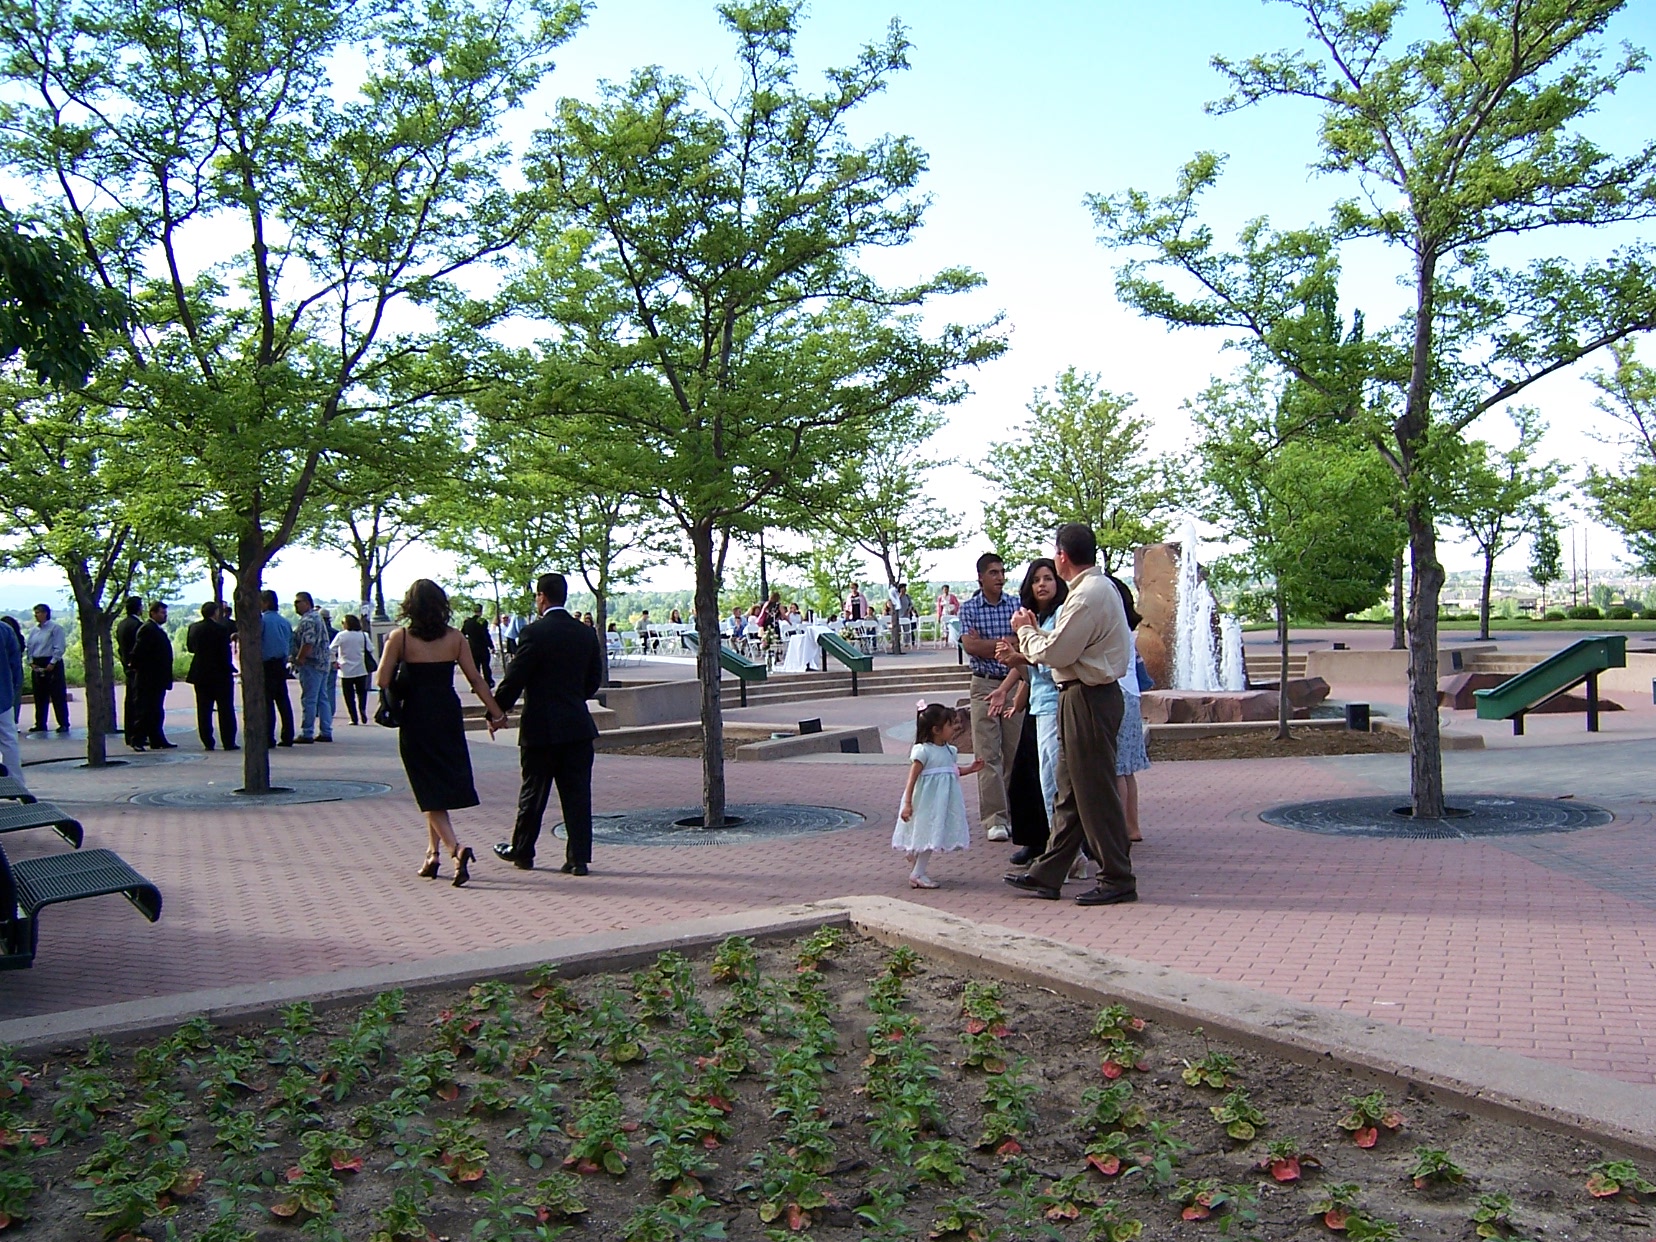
[1026, 592]
[351, 621]
[426, 609]
[1133, 617]
[930, 718]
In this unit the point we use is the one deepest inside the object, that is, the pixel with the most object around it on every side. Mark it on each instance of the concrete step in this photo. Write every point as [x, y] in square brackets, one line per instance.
[806, 687]
[1509, 664]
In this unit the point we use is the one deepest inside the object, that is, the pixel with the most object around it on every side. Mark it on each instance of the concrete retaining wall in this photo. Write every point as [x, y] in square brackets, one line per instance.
[1364, 667]
[652, 702]
[826, 742]
[1632, 681]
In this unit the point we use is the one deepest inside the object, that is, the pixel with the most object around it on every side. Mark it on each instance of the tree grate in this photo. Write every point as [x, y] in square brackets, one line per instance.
[758, 822]
[219, 796]
[1470, 818]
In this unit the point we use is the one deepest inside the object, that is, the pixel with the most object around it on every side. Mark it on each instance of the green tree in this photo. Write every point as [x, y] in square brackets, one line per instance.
[1081, 457]
[74, 494]
[147, 127]
[1458, 140]
[710, 306]
[1546, 556]
[1310, 504]
[1625, 498]
[50, 312]
[880, 504]
[829, 565]
[1495, 497]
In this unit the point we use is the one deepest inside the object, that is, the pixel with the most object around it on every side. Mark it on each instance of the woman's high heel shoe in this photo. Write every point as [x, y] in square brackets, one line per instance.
[429, 871]
[462, 866]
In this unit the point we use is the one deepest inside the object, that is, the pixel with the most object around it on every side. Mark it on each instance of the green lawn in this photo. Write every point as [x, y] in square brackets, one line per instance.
[1495, 623]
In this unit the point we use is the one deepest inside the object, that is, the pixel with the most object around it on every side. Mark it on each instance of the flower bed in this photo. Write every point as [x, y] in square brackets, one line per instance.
[820, 1088]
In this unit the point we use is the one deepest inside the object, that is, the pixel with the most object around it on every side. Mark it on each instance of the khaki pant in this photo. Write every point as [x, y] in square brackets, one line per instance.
[995, 741]
[1089, 804]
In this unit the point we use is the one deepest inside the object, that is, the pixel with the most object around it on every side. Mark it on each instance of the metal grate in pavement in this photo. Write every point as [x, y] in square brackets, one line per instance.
[1471, 817]
[758, 822]
[218, 797]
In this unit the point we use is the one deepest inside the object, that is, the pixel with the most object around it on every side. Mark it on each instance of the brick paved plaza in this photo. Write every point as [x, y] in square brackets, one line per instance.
[1541, 945]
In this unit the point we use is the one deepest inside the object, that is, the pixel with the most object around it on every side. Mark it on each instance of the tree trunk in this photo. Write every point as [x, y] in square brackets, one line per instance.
[600, 617]
[897, 613]
[1425, 747]
[99, 688]
[216, 574]
[250, 646]
[1483, 603]
[365, 582]
[379, 596]
[1399, 614]
[708, 670]
[1283, 710]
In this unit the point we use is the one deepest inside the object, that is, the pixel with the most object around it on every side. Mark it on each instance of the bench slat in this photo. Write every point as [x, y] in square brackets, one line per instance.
[15, 816]
[14, 789]
[89, 873]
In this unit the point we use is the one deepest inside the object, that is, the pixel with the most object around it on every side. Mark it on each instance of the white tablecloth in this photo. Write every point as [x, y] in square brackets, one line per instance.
[803, 653]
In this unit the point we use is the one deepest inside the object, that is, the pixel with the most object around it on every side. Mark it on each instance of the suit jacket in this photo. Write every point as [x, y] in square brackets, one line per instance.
[152, 657]
[556, 670]
[475, 630]
[126, 630]
[209, 642]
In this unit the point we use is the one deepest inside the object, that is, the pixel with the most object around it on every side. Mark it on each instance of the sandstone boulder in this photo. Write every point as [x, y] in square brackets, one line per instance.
[1156, 591]
[1205, 707]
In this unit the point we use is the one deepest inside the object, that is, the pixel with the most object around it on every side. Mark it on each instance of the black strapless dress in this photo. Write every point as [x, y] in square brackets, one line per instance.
[432, 739]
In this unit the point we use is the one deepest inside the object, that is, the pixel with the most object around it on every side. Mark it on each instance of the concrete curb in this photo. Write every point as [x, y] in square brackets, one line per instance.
[1488, 1081]
[578, 955]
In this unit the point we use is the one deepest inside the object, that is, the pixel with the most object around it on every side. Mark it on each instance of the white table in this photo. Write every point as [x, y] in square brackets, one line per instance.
[803, 653]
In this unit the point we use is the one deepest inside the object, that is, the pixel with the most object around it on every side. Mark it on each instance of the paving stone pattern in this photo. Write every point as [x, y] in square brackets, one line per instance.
[1543, 946]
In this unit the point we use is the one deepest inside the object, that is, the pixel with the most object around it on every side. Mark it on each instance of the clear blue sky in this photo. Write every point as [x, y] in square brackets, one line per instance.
[1023, 110]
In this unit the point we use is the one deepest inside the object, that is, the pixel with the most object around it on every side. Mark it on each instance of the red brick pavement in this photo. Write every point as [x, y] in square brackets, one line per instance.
[1462, 939]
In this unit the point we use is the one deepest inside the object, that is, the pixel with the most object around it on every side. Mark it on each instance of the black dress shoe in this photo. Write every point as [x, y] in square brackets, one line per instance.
[575, 868]
[231, 746]
[1102, 896]
[163, 744]
[137, 746]
[289, 742]
[1023, 857]
[303, 741]
[1033, 887]
[503, 851]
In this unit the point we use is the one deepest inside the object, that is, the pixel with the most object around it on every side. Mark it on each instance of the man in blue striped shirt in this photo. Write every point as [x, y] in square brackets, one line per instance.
[985, 619]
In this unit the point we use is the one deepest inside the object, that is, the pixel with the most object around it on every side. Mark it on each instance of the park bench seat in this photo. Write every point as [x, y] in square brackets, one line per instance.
[13, 790]
[28, 886]
[16, 816]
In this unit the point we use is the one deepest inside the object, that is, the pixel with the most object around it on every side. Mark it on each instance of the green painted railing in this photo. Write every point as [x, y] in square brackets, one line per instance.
[1579, 662]
[733, 662]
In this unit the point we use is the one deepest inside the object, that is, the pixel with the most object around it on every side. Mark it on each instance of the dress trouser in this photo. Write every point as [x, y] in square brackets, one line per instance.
[223, 697]
[10, 756]
[995, 741]
[1089, 809]
[50, 686]
[569, 766]
[129, 711]
[148, 725]
[277, 701]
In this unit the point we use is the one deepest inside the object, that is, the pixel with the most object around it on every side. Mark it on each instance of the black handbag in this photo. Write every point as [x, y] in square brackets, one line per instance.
[389, 712]
[369, 660]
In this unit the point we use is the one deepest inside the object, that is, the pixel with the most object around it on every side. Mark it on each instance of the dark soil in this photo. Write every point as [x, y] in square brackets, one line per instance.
[1046, 1038]
[1303, 743]
[683, 748]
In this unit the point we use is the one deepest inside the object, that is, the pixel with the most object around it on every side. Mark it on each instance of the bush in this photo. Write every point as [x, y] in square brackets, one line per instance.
[1583, 612]
[1553, 615]
[1620, 614]
[1649, 614]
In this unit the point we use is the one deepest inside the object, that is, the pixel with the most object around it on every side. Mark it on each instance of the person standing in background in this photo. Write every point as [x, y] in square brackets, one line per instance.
[986, 618]
[10, 622]
[313, 661]
[11, 692]
[475, 630]
[126, 630]
[212, 674]
[275, 646]
[350, 649]
[45, 647]
[152, 677]
[330, 683]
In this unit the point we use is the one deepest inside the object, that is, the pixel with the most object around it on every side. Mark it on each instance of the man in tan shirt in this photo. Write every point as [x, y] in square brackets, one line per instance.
[1089, 650]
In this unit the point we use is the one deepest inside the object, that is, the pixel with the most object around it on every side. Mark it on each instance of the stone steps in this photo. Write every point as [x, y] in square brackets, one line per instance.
[805, 687]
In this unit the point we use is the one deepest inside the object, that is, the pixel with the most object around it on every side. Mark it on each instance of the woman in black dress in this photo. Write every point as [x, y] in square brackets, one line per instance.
[432, 737]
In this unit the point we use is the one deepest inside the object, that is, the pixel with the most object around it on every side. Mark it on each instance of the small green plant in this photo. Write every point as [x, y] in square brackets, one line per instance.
[960, 1218]
[131, 1195]
[402, 1220]
[1492, 1216]
[1121, 1055]
[599, 1140]
[557, 1197]
[1111, 1152]
[1216, 1070]
[1111, 1108]
[1236, 1112]
[1202, 1199]
[1157, 1154]
[1369, 1113]
[820, 945]
[903, 962]
[1362, 1228]
[86, 1095]
[1285, 1159]
[1433, 1167]
[735, 961]
[461, 1153]
[15, 1077]
[1616, 1177]
[1338, 1204]
[1111, 1222]
[16, 1189]
[1068, 1197]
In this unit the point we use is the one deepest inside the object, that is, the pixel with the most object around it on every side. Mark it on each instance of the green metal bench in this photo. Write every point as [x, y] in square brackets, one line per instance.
[733, 662]
[13, 790]
[855, 659]
[28, 886]
[16, 816]
[1565, 670]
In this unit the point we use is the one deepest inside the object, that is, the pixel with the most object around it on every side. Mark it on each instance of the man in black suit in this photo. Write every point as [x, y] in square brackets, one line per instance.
[475, 630]
[152, 677]
[556, 669]
[126, 629]
[208, 641]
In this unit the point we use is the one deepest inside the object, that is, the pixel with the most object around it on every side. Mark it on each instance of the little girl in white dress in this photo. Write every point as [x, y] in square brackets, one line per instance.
[933, 815]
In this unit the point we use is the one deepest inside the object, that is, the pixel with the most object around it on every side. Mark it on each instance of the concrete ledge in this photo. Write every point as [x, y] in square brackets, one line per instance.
[578, 955]
[652, 702]
[1368, 667]
[650, 735]
[828, 741]
[1448, 739]
[1488, 1081]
